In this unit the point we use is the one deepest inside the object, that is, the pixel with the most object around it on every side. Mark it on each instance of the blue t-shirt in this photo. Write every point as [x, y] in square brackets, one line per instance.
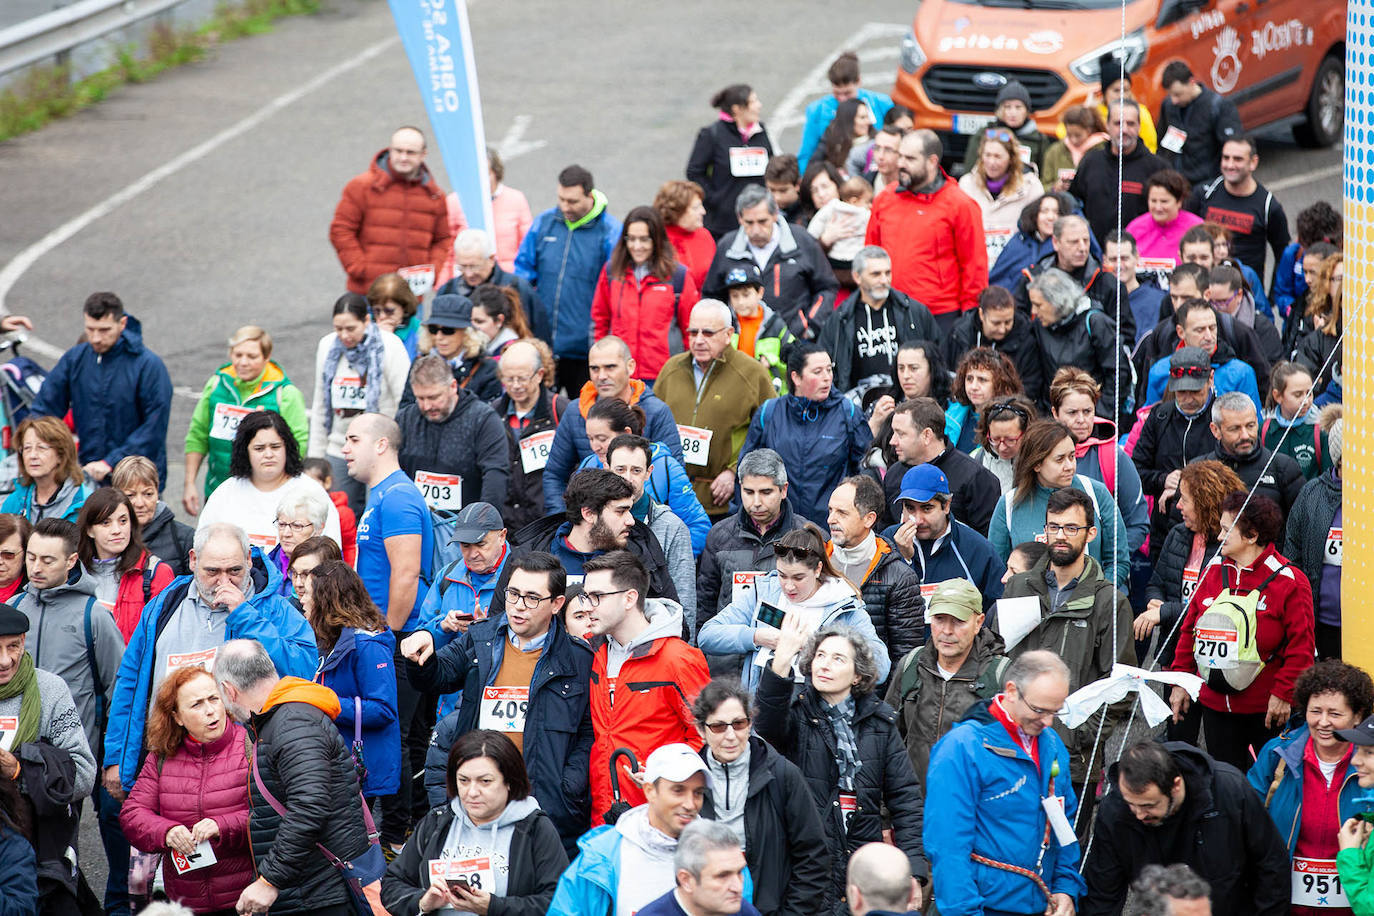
[394, 508]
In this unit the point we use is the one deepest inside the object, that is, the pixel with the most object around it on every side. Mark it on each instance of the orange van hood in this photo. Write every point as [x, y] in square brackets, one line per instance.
[1009, 36]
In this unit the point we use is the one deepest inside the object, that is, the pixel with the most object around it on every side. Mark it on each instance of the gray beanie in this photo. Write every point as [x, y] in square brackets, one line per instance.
[1334, 439]
[1014, 90]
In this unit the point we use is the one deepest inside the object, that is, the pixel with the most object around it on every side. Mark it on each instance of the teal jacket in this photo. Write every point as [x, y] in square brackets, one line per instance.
[1277, 776]
[1015, 523]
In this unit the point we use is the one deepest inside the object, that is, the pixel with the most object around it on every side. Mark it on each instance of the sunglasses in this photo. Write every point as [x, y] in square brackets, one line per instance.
[1000, 135]
[440, 329]
[737, 725]
[796, 554]
[1190, 372]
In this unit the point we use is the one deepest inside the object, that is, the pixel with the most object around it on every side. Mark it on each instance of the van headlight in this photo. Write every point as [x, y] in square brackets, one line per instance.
[1132, 48]
[912, 57]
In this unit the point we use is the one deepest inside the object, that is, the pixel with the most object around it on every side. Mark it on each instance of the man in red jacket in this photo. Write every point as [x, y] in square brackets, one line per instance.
[392, 216]
[644, 676]
[933, 230]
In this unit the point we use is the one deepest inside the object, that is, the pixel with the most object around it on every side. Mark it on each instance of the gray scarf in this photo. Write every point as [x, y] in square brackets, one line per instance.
[366, 358]
[846, 748]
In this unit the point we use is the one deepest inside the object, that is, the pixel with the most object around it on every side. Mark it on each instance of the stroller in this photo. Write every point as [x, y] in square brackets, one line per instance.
[20, 380]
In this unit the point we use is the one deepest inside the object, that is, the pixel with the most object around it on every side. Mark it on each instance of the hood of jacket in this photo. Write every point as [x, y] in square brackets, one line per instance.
[79, 587]
[634, 826]
[832, 598]
[1197, 771]
[271, 374]
[298, 690]
[382, 175]
[599, 204]
[928, 192]
[665, 619]
[1103, 433]
[805, 410]
[587, 397]
[467, 839]
[162, 517]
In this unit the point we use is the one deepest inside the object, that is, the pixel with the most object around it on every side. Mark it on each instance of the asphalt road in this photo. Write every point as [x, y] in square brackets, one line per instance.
[204, 197]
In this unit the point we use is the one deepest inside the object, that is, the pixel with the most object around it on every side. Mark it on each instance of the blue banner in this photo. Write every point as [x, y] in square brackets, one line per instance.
[438, 41]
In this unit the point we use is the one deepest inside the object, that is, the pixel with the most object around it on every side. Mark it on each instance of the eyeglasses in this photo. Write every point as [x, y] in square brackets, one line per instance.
[1005, 441]
[704, 332]
[439, 329]
[298, 575]
[1190, 371]
[1037, 710]
[298, 527]
[593, 599]
[735, 725]
[518, 379]
[1071, 530]
[520, 599]
[9, 556]
[1227, 300]
[796, 554]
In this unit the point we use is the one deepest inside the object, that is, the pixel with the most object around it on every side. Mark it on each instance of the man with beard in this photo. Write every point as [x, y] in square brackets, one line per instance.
[598, 519]
[1084, 619]
[864, 334]
[1171, 803]
[1236, 427]
[1197, 323]
[933, 231]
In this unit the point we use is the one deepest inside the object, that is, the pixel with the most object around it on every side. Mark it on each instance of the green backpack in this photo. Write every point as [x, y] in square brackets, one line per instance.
[1226, 637]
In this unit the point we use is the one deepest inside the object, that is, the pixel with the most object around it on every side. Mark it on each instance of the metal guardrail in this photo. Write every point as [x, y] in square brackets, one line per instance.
[55, 33]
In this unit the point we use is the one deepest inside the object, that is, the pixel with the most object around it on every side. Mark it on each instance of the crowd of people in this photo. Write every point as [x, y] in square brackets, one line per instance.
[739, 555]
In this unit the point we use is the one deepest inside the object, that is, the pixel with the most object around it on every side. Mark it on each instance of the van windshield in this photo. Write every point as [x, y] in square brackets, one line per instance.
[1048, 4]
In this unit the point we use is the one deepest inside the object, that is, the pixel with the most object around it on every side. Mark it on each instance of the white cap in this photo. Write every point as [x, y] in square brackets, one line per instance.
[675, 763]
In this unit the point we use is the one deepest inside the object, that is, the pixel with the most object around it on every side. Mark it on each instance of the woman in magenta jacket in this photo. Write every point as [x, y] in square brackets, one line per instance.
[641, 291]
[126, 575]
[193, 788]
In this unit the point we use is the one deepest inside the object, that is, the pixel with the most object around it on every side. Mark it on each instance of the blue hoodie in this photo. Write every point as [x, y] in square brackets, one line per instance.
[731, 632]
[820, 442]
[669, 485]
[359, 669]
[563, 260]
[266, 616]
[821, 112]
[121, 400]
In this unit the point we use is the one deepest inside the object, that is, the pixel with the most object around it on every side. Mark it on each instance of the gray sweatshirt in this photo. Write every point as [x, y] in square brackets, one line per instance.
[467, 840]
[60, 726]
[665, 619]
[731, 790]
[193, 627]
[676, 540]
[57, 641]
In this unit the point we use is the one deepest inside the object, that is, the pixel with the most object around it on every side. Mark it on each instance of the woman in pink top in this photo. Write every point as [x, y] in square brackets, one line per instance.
[1158, 232]
[510, 217]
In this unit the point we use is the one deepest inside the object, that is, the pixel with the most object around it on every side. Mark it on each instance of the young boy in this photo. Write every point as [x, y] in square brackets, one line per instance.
[762, 333]
[1014, 114]
[318, 468]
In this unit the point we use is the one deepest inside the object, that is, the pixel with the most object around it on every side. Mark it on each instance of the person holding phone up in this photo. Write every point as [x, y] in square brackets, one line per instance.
[806, 584]
[489, 850]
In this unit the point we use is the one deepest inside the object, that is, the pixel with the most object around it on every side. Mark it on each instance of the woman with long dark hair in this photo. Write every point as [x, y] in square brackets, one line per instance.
[356, 656]
[642, 291]
[265, 467]
[126, 575]
[497, 313]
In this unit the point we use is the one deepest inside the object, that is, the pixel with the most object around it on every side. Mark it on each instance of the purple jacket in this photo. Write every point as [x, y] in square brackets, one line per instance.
[199, 781]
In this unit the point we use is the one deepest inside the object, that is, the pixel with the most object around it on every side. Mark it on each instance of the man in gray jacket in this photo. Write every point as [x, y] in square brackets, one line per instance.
[74, 634]
[628, 458]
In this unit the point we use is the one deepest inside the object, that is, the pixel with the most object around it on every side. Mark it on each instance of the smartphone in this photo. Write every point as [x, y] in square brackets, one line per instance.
[459, 882]
[770, 615]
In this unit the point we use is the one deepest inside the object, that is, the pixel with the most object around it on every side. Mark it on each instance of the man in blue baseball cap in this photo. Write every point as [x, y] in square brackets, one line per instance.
[938, 546]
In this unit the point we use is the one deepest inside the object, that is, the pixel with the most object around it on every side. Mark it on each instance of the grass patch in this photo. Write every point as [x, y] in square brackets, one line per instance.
[48, 93]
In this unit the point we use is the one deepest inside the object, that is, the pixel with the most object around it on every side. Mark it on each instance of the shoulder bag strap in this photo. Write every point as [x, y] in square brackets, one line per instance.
[92, 663]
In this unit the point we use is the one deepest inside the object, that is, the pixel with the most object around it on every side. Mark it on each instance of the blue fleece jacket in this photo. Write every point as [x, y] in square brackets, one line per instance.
[267, 617]
[1285, 806]
[121, 400]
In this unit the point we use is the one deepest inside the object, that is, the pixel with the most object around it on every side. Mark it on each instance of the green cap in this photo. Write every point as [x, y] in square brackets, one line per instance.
[955, 597]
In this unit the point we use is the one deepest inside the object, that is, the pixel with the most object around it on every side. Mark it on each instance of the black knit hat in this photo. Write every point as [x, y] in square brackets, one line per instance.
[1013, 90]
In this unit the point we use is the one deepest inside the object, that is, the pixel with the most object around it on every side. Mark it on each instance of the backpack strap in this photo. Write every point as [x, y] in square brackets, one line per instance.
[1272, 576]
[910, 677]
[1317, 445]
[995, 676]
[443, 579]
[93, 664]
[148, 572]
[679, 279]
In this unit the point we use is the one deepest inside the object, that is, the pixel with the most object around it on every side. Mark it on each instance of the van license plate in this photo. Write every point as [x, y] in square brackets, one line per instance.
[971, 124]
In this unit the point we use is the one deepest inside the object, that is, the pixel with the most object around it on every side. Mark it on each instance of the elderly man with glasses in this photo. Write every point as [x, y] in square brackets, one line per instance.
[713, 390]
[522, 674]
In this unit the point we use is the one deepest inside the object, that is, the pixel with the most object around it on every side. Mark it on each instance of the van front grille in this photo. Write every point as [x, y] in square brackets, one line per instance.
[952, 86]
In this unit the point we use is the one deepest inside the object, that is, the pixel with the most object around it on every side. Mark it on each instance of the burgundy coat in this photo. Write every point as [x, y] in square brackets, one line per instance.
[199, 781]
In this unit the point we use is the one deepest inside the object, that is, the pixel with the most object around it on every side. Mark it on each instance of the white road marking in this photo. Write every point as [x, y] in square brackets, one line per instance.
[1296, 181]
[791, 112]
[514, 144]
[26, 258]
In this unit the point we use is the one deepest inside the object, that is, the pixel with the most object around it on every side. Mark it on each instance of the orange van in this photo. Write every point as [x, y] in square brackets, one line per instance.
[1278, 60]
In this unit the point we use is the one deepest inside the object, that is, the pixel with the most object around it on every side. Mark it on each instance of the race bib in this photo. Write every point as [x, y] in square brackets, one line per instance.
[534, 451]
[1332, 555]
[1066, 175]
[696, 444]
[225, 422]
[742, 583]
[476, 873]
[202, 857]
[848, 805]
[1216, 649]
[9, 727]
[204, 660]
[1173, 140]
[420, 279]
[441, 491]
[504, 708]
[748, 161]
[1024, 152]
[265, 540]
[1316, 883]
[1190, 577]
[1146, 264]
[928, 589]
[349, 392]
[996, 240]
[1059, 821]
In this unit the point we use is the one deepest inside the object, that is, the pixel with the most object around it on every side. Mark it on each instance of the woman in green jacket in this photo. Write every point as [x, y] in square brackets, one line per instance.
[249, 381]
[1355, 861]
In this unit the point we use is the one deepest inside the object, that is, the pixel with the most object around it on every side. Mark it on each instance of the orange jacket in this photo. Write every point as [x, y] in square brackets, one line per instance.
[383, 224]
[641, 314]
[647, 705]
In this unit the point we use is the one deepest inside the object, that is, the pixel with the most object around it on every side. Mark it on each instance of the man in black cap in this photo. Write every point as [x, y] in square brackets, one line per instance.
[43, 747]
[452, 443]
